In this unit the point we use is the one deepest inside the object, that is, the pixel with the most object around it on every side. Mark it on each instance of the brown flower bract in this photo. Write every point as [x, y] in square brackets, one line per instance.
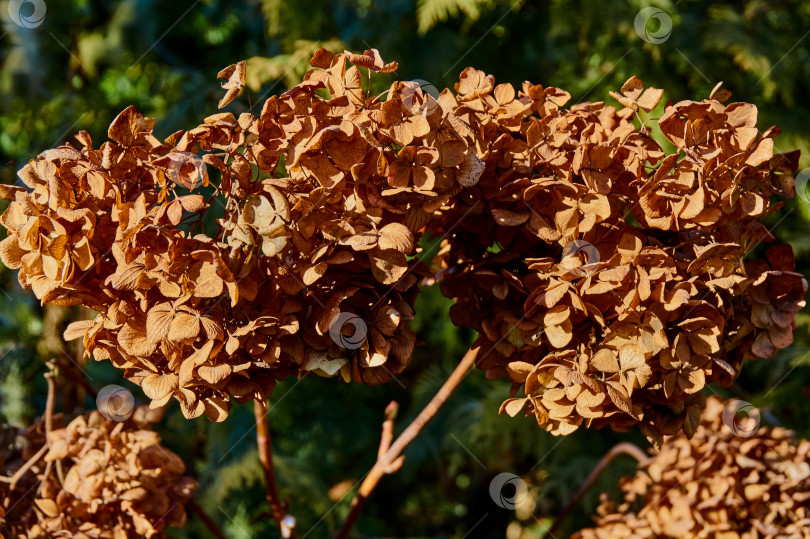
[119, 483]
[716, 485]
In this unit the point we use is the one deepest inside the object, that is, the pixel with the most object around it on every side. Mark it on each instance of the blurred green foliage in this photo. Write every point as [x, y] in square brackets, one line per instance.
[92, 58]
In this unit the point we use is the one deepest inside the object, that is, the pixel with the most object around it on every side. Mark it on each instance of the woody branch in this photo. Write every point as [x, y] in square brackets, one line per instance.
[286, 523]
[390, 459]
[623, 448]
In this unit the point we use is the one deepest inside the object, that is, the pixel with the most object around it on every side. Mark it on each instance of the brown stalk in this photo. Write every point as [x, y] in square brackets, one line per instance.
[279, 510]
[390, 460]
[49, 405]
[206, 519]
[388, 428]
[48, 424]
[25, 467]
[623, 448]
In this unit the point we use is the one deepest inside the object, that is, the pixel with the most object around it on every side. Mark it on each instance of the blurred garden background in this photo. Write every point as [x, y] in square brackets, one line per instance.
[86, 60]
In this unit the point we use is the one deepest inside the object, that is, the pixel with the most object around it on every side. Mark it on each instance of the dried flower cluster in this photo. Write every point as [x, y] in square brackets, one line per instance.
[605, 276]
[99, 479]
[324, 201]
[715, 485]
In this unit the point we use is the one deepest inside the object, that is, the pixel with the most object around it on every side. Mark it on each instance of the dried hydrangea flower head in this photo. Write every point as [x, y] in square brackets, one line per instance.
[115, 480]
[718, 484]
[324, 202]
[606, 277]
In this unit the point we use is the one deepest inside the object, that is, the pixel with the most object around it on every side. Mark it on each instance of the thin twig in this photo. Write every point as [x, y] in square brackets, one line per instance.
[286, 523]
[625, 448]
[49, 404]
[206, 519]
[391, 460]
[25, 467]
[388, 428]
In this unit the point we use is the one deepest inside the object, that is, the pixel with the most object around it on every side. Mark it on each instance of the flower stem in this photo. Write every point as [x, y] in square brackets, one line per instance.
[192, 506]
[285, 522]
[391, 459]
[623, 448]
